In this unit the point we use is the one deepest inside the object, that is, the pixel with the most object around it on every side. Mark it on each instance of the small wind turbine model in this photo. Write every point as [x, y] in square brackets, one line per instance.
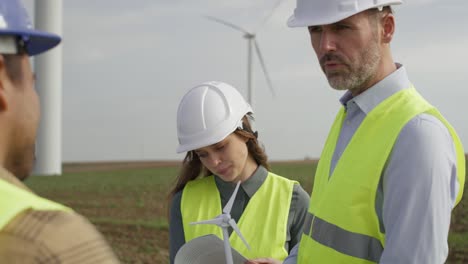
[251, 42]
[224, 221]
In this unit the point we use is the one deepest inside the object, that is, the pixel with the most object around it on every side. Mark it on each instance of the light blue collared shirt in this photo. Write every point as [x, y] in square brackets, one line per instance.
[419, 183]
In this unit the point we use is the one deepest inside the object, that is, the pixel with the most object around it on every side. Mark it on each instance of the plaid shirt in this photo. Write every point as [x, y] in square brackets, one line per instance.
[51, 237]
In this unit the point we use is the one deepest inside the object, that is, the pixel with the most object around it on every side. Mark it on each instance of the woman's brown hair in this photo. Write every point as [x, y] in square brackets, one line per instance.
[192, 167]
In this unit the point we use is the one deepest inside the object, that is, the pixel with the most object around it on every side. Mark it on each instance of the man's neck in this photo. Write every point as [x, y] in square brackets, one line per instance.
[386, 69]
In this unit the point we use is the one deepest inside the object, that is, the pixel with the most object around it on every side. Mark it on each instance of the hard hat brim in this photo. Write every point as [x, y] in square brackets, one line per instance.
[223, 134]
[329, 18]
[36, 41]
[294, 22]
[190, 147]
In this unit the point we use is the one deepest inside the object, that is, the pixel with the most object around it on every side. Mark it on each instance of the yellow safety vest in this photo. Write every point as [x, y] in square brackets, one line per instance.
[14, 200]
[263, 222]
[342, 225]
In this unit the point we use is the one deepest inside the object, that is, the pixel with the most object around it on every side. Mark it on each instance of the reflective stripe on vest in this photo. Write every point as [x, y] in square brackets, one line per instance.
[349, 243]
[263, 222]
[14, 200]
[344, 226]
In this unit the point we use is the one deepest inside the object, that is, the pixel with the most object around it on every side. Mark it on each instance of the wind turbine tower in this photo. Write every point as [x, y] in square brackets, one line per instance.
[251, 44]
[48, 67]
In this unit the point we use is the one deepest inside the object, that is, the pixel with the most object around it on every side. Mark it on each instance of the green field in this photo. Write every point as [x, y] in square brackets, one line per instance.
[129, 207]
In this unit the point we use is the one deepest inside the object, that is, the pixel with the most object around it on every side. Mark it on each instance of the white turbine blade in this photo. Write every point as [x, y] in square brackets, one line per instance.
[227, 208]
[268, 15]
[262, 63]
[234, 226]
[215, 221]
[215, 19]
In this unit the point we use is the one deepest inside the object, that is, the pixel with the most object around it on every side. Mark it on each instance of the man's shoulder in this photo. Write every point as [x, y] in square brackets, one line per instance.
[52, 223]
[425, 125]
[55, 234]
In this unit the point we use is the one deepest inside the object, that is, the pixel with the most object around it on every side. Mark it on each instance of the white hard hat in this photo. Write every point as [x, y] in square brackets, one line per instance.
[324, 12]
[208, 113]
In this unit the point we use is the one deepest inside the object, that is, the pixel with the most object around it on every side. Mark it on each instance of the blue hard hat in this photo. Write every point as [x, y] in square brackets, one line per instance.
[14, 21]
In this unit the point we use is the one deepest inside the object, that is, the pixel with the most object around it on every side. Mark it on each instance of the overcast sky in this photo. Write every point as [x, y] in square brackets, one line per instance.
[128, 63]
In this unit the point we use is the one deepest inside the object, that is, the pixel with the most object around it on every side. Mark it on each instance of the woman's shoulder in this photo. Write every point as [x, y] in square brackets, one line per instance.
[300, 192]
[176, 199]
[281, 178]
[300, 198]
[200, 182]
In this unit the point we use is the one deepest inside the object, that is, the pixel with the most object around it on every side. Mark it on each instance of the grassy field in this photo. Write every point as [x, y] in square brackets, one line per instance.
[129, 206]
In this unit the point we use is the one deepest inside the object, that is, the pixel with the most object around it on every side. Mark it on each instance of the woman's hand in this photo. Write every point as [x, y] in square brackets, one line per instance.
[263, 261]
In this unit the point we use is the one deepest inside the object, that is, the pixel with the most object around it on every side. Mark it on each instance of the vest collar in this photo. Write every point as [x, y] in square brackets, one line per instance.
[369, 99]
[10, 178]
[250, 186]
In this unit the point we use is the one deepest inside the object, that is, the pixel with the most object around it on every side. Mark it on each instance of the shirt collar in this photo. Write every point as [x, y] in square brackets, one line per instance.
[250, 186]
[369, 99]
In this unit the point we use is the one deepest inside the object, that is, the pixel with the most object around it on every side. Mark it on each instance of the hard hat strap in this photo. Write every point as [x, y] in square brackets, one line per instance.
[8, 45]
[251, 127]
[12, 45]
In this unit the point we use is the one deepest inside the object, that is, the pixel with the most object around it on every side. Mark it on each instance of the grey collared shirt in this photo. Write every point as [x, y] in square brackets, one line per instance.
[419, 183]
[297, 211]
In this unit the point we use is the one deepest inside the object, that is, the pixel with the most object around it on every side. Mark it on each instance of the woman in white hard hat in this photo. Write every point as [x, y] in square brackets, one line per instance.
[215, 128]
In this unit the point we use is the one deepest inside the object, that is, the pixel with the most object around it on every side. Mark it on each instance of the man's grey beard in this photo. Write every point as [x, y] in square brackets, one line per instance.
[359, 75]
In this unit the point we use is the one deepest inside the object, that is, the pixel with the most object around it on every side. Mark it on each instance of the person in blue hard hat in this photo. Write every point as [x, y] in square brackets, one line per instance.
[392, 168]
[32, 229]
[215, 128]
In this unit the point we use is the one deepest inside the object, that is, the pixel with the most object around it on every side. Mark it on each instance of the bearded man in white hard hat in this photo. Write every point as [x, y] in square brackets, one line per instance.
[32, 229]
[392, 168]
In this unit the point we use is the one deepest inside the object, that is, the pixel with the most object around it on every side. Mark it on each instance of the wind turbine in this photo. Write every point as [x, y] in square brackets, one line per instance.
[224, 221]
[251, 43]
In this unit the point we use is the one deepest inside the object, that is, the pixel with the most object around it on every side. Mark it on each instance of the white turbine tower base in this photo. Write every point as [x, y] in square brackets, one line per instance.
[48, 67]
[224, 221]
